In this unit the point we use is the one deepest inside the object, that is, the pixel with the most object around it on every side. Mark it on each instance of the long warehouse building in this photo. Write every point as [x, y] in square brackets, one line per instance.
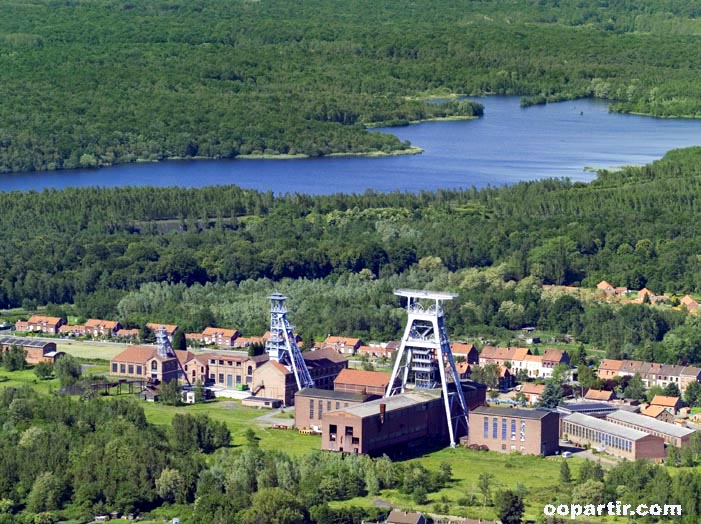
[672, 434]
[617, 440]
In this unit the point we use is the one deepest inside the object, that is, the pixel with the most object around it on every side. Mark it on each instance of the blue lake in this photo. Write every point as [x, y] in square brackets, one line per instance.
[507, 145]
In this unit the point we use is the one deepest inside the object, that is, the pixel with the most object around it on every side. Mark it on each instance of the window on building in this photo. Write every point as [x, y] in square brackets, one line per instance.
[229, 363]
[513, 429]
[131, 369]
[249, 371]
[122, 368]
[333, 429]
[221, 378]
[221, 362]
[503, 429]
[321, 408]
[486, 427]
[349, 431]
[211, 377]
[154, 365]
[238, 364]
[495, 428]
[338, 405]
[328, 405]
[238, 379]
[114, 367]
[311, 409]
[523, 430]
[212, 361]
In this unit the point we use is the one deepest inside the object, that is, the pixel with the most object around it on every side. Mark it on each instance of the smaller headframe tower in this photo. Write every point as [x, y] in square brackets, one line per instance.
[424, 353]
[282, 346]
[165, 350]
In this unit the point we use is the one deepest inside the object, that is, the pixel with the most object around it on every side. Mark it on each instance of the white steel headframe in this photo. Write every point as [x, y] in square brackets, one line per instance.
[282, 346]
[425, 350]
[165, 350]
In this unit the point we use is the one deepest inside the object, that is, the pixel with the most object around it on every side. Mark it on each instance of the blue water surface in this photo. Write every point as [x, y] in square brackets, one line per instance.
[509, 144]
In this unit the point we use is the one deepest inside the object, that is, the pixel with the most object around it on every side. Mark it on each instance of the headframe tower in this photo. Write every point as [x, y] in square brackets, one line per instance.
[424, 353]
[282, 346]
[165, 350]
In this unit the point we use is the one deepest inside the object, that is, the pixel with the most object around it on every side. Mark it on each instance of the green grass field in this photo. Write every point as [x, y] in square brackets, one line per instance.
[90, 350]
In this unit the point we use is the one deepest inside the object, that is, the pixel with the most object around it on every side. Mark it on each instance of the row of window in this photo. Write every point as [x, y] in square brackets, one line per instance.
[131, 367]
[504, 427]
[598, 437]
[320, 405]
[219, 379]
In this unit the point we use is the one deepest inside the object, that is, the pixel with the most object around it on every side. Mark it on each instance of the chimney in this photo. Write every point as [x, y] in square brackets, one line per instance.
[383, 409]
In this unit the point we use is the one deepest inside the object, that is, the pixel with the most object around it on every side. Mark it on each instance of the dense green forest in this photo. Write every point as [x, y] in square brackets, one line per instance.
[98, 82]
[61, 458]
[210, 256]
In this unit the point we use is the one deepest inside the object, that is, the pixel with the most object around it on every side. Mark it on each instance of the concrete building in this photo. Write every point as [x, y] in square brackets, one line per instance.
[311, 404]
[673, 434]
[617, 440]
[360, 381]
[529, 431]
[273, 380]
[393, 424]
[35, 351]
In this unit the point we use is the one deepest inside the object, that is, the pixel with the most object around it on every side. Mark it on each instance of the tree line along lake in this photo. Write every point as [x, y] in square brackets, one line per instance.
[508, 145]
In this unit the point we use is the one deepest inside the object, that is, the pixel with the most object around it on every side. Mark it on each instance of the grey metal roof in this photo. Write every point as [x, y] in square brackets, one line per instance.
[26, 342]
[393, 403]
[332, 395]
[586, 407]
[606, 427]
[650, 423]
[512, 412]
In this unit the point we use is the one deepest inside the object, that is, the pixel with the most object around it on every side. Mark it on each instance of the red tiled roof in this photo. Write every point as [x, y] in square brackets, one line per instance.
[359, 377]
[533, 389]
[41, 318]
[598, 394]
[341, 340]
[215, 331]
[136, 354]
[609, 364]
[504, 353]
[662, 400]
[460, 348]
[554, 355]
[653, 411]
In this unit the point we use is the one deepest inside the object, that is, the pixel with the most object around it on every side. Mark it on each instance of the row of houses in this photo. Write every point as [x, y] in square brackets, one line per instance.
[687, 301]
[521, 359]
[651, 373]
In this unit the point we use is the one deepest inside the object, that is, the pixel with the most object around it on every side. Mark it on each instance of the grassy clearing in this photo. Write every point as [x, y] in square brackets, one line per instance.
[27, 377]
[91, 350]
[238, 419]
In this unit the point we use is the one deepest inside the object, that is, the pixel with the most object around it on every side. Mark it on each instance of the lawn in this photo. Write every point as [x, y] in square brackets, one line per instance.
[90, 350]
[238, 419]
[27, 376]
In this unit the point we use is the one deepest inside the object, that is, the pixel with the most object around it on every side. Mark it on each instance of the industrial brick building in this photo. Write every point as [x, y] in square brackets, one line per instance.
[311, 404]
[35, 351]
[617, 440]
[229, 369]
[273, 380]
[145, 362]
[672, 434]
[529, 431]
[360, 381]
[393, 424]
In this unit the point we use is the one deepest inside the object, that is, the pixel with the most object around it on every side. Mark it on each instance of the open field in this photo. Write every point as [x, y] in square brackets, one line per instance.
[91, 350]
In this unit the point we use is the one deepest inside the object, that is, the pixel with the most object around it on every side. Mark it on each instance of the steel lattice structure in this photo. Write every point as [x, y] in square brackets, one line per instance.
[165, 350]
[424, 353]
[282, 346]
